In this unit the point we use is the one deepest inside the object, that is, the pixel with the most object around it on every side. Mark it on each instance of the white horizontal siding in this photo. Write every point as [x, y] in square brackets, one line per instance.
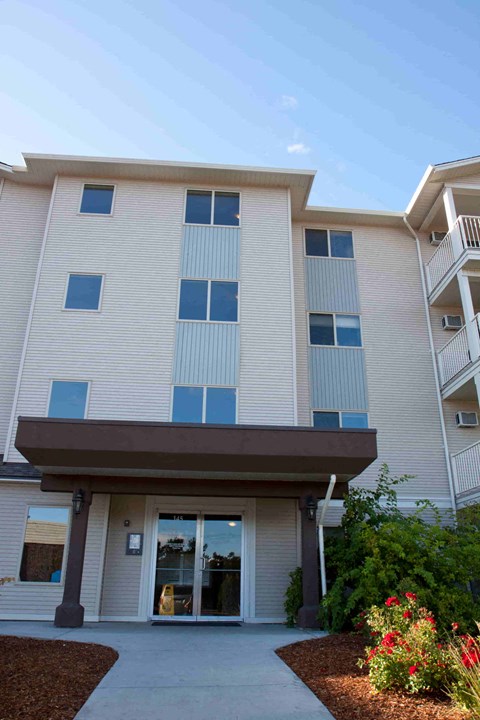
[276, 554]
[38, 599]
[266, 393]
[23, 213]
[121, 583]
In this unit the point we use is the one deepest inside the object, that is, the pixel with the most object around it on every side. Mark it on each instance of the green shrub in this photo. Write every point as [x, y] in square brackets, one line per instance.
[465, 659]
[382, 552]
[294, 596]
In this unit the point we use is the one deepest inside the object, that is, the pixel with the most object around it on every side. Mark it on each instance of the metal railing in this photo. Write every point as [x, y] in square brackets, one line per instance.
[466, 468]
[465, 235]
[454, 356]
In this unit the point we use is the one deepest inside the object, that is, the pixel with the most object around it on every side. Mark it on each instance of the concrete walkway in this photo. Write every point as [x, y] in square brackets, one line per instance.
[190, 673]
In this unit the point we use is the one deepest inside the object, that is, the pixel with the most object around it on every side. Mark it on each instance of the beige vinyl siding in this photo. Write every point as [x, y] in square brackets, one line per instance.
[34, 599]
[121, 585]
[126, 350]
[276, 554]
[23, 214]
[266, 393]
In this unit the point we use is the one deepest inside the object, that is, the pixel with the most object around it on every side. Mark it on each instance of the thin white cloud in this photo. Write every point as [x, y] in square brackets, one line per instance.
[298, 149]
[289, 102]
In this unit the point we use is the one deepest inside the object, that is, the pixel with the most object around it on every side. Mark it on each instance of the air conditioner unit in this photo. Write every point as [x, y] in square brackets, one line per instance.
[466, 419]
[452, 322]
[436, 237]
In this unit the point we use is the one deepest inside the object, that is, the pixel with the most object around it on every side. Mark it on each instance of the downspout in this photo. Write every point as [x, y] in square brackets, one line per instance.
[435, 369]
[321, 545]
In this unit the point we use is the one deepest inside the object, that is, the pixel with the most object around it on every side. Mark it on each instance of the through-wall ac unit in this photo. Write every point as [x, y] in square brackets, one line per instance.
[466, 419]
[436, 237]
[452, 322]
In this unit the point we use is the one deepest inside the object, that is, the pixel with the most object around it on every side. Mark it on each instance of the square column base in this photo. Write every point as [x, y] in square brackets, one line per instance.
[307, 617]
[69, 615]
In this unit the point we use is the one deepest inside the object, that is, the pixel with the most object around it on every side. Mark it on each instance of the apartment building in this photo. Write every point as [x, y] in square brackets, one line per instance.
[195, 364]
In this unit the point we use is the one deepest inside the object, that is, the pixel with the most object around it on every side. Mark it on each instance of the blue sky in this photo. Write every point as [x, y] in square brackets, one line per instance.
[368, 93]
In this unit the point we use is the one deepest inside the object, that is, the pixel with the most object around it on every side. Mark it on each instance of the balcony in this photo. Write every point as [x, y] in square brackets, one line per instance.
[466, 473]
[459, 361]
[463, 240]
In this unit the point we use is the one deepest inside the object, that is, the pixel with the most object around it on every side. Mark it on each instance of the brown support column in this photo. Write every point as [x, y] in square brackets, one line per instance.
[307, 615]
[70, 613]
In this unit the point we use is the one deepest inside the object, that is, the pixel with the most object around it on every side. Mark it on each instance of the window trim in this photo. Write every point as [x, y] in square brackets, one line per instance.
[89, 214]
[32, 583]
[340, 413]
[207, 320]
[204, 400]
[329, 256]
[334, 314]
[212, 209]
[63, 379]
[100, 297]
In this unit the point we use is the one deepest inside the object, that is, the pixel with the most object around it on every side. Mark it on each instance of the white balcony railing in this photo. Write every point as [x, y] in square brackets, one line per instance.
[466, 469]
[454, 356]
[465, 235]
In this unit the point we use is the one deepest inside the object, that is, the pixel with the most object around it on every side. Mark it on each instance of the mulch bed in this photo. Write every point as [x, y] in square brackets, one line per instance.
[49, 679]
[329, 667]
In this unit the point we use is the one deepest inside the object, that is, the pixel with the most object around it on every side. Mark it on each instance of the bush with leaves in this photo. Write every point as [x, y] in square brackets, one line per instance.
[382, 552]
[465, 661]
[294, 596]
[407, 653]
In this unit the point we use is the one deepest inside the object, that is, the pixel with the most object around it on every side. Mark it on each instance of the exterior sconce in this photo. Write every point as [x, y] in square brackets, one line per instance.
[78, 501]
[311, 506]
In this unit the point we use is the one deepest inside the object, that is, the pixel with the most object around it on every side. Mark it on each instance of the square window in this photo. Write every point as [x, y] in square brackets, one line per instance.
[68, 399]
[354, 420]
[44, 544]
[193, 300]
[97, 199]
[83, 292]
[227, 209]
[316, 243]
[224, 301]
[221, 406]
[321, 330]
[348, 331]
[326, 420]
[199, 207]
[341, 244]
[187, 404]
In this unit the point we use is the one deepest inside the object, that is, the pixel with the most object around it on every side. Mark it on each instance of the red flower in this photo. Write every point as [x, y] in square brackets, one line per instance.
[412, 669]
[407, 614]
[455, 626]
[360, 625]
[390, 639]
[410, 596]
[392, 601]
[470, 658]
[439, 646]
[374, 633]
[431, 620]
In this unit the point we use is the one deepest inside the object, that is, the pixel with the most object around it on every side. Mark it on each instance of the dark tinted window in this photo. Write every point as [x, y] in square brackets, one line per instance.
[224, 301]
[45, 538]
[321, 330]
[193, 300]
[97, 199]
[348, 331]
[187, 404]
[227, 209]
[341, 244]
[316, 243]
[221, 406]
[354, 420]
[326, 420]
[199, 207]
[83, 292]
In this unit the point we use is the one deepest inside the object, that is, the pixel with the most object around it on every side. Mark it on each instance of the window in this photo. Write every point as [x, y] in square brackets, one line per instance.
[212, 207]
[44, 544]
[335, 420]
[216, 405]
[215, 300]
[83, 292]
[335, 330]
[68, 399]
[97, 199]
[329, 243]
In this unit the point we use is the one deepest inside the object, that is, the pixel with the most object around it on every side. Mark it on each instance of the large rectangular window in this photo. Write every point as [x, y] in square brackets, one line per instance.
[214, 405]
[335, 330]
[212, 207]
[214, 300]
[68, 399]
[97, 199]
[44, 544]
[83, 292]
[329, 420]
[329, 243]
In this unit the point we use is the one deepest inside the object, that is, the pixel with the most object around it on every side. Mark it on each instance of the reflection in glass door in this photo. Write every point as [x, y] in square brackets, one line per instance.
[198, 566]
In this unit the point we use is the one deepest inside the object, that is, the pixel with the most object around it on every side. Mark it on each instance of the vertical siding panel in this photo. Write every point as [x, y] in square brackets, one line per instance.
[206, 354]
[338, 379]
[331, 285]
[211, 252]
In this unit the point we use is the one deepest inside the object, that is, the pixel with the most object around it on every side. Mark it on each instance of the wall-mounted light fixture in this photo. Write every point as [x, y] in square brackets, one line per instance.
[311, 505]
[126, 523]
[78, 501]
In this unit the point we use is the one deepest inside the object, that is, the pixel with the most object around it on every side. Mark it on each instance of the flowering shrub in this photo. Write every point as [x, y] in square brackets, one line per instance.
[465, 659]
[407, 653]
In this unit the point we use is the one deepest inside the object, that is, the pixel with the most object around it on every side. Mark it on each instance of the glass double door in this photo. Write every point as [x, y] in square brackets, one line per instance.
[198, 565]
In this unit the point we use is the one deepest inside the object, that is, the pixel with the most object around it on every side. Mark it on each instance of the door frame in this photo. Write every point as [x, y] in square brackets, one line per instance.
[236, 506]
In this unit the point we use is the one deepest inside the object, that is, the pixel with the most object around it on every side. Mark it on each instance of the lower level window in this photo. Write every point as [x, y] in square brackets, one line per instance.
[44, 544]
[193, 404]
[68, 399]
[335, 420]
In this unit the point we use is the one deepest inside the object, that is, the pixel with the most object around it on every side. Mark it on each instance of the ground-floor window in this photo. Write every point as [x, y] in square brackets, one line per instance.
[44, 544]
